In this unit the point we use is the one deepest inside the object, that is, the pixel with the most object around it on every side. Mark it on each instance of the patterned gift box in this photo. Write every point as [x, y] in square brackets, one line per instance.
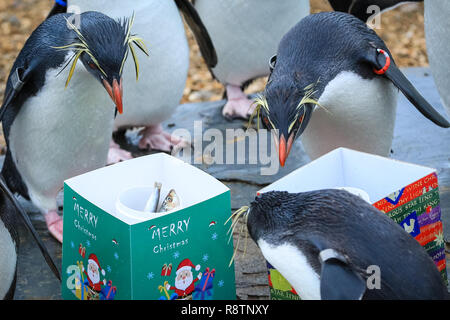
[81, 289]
[166, 269]
[204, 290]
[108, 292]
[417, 209]
[407, 193]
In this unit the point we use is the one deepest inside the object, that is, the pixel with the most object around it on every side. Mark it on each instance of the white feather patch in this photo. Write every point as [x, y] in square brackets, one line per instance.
[246, 33]
[294, 267]
[358, 114]
[8, 260]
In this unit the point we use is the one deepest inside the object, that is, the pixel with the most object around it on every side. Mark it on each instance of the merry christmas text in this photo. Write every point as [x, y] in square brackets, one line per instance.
[169, 246]
[85, 215]
[173, 229]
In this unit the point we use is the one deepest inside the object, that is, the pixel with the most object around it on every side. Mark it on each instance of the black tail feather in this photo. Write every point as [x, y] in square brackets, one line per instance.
[201, 34]
[57, 8]
[362, 8]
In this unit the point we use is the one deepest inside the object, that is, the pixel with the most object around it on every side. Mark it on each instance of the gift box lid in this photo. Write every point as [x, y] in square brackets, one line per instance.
[102, 187]
[376, 175]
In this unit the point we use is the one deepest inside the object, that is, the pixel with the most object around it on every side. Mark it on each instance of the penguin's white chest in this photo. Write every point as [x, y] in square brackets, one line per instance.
[61, 133]
[437, 26]
[162, 76]
[246, 33]
[357, 113]
[294, 267]
[8, 260]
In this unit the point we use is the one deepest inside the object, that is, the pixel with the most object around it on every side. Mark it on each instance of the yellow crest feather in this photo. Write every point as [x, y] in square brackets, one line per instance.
[235, 218]
[82, 47]
[139, 42]
[72, 68]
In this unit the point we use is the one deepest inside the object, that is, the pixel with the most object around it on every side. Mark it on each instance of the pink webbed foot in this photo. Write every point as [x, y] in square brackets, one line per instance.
[54, 224]
[155, 138]
[238, 105]
[116, 154]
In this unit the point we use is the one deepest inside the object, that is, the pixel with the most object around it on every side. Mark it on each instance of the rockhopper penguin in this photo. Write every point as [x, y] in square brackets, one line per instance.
[437, 26]
[54, 129]
[323, 243]
[334, 83]
[245, 34]
[154, 98]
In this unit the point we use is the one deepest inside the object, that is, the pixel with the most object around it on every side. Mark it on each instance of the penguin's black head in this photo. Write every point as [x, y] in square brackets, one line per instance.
[287, 110]
[102, 45]
[270, 211]
[278, 215]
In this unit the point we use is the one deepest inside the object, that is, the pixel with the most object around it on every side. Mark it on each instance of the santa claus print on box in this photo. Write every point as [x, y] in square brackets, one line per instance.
[93, 274]
[184, 281]
[179, 255]
[88, 283]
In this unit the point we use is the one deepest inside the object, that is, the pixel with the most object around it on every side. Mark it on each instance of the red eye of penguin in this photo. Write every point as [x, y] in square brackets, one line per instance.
[301, 119]
[266, 121]
[92, 65]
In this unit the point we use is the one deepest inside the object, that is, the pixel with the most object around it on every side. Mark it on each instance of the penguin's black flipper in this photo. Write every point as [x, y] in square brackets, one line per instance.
[59, 7]
[361, 8]
[7, 193]
[341, 5]
[17, 79]
[337, 280]
[394, 74]
[201, 34]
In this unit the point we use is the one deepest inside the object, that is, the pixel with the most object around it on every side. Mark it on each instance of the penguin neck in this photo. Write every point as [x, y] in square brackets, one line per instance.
[357, 113]
[272, 212]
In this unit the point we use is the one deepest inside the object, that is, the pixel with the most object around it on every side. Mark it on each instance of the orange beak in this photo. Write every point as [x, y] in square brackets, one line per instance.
[115, 92]
[285, 148]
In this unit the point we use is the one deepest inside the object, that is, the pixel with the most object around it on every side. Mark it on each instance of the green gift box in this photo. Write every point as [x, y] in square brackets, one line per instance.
[109, 242]
[407, 193]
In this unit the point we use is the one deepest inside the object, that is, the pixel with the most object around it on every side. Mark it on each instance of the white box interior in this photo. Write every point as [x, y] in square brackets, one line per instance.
[103, 186]
[376, 175]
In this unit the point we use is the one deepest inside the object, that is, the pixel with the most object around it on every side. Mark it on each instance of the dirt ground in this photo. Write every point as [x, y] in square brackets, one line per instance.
[402, 29]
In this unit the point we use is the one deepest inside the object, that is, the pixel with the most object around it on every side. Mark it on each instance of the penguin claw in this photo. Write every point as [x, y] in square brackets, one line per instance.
[238, 105]
[117, 154]
[238, 109]
[54, 224]
[155, 138]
